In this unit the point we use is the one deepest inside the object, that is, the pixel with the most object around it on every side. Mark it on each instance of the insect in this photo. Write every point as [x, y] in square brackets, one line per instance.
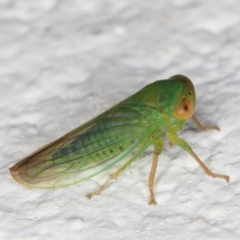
[121, 133]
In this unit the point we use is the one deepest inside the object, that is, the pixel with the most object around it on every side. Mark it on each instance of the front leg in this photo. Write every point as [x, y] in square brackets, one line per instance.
[201, 127]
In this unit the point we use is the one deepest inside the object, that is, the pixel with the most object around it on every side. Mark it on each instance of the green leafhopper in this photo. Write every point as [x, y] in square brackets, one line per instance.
[123, 132]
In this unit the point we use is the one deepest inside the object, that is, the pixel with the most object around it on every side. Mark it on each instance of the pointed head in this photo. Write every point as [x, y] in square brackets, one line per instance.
[185, 106]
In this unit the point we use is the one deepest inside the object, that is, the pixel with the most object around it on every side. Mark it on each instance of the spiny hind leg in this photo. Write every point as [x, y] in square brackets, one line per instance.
[111, 177]
[97, 192]
[115, 175]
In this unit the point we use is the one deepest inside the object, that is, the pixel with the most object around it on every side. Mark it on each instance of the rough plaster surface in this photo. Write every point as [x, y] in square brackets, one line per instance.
[64, 62]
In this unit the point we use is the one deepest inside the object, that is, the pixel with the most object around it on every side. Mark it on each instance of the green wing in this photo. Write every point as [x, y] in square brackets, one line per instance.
[88, 150]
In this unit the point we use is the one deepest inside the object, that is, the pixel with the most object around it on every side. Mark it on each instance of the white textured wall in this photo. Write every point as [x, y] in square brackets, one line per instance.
[64, 62]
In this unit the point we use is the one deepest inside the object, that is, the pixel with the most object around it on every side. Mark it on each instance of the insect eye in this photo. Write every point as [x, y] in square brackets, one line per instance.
[184, 110]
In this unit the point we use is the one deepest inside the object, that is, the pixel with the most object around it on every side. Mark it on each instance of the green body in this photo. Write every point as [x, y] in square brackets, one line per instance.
[121, 133]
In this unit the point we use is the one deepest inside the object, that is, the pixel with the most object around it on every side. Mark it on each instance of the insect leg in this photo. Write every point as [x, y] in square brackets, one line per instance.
[201, 127]
[115, 175]
[158, 145]
[97, 192]
[176, 140]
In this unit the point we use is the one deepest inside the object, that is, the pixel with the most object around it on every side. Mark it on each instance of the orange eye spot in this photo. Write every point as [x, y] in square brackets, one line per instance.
[184, 110]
